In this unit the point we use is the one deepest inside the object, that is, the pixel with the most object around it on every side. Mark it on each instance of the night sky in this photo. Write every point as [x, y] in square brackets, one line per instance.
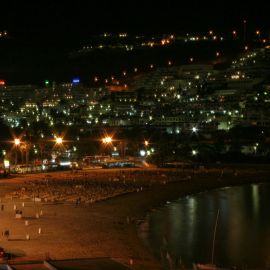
[43, 33]
[81, 18]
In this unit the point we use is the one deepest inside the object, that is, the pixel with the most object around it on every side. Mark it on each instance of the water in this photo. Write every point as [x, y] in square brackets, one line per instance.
[183, 230]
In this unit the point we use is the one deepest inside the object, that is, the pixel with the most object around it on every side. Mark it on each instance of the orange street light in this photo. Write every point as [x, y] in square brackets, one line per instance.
[146, 143]
[107, 140]
[17, 141]
[59, 140]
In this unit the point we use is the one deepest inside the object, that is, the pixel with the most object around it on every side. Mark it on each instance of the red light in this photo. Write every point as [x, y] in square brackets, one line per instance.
[2, 82]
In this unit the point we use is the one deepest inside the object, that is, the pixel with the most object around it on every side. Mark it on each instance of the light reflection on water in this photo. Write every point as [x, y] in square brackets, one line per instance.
[184, 228]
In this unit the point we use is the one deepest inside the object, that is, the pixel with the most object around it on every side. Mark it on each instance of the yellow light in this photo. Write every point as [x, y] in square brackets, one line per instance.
[59, 140]
[107, 140]
[6, 163]
[17, 141]
[146, 143]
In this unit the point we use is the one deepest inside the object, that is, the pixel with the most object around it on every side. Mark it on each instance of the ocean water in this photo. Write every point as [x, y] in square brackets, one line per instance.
[183, 231]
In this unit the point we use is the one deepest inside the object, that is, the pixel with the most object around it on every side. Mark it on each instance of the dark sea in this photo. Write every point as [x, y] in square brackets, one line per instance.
[183, 231]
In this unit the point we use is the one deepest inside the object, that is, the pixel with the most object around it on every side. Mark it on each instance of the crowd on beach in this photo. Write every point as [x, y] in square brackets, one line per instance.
[88, 187]
[78, 191]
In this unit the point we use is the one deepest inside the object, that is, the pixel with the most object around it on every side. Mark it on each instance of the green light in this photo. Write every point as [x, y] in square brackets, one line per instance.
[47, 82]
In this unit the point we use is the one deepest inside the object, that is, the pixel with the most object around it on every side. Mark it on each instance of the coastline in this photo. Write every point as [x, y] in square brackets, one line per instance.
[109, 228]
[158, 196]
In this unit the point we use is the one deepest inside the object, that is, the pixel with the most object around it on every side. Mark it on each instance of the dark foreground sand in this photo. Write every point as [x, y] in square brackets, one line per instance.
[106, 228]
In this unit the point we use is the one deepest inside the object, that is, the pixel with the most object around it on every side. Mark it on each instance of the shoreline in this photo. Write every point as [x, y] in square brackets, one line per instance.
[109, 228]
[175, 190]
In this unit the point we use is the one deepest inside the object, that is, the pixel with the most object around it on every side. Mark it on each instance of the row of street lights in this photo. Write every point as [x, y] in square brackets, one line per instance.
[58, 140]
[108, 140]
[24, 146]
[19, 143]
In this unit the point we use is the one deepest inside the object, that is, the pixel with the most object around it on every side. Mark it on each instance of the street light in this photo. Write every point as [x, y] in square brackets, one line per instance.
[107, 140]
[59, 140]
[194, 129]
[58, 148]
[142, 153]
[258, 34]
[17, 141]
[146, 143]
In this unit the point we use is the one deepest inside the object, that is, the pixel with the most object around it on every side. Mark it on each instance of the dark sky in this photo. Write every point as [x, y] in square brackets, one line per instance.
[60, 18]
[44, 32]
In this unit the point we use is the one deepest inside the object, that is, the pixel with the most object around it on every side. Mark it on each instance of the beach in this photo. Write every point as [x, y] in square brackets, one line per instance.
[104, 224]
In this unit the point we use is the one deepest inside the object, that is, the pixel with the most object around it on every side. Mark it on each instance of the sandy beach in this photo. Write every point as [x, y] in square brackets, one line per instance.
[60, 227]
